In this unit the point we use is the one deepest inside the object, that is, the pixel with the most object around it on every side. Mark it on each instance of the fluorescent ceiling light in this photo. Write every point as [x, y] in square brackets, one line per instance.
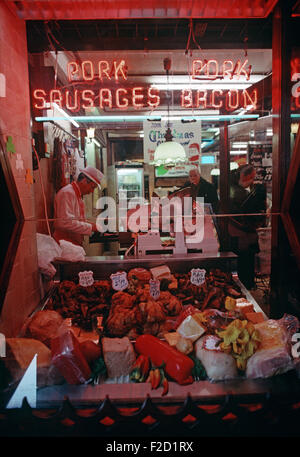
[187, 79]
[203, 86]
[217, 117]
[66, 115]
[239, 145]
[237, 153]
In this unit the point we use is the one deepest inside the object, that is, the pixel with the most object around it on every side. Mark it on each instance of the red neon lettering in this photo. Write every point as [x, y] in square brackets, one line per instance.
[186, 98]
[75, 106]
[196, 68]
[56, 97]
[136, 97]
[201, 99]
[88, 96]
[87, 70]
[153, 99]
[227, 72]
[103, 69]
[120, 68]
[118, 102]
[241, 69]
[73, 69]
[42, 96]
[213, 103]
[232, 94]
[248, 100]
[216, 68]
[105, 98]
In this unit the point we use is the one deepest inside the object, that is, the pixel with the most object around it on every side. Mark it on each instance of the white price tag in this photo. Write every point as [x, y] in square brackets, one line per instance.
[119, 280]
[86, 278]
[198, 276]
[154, 288]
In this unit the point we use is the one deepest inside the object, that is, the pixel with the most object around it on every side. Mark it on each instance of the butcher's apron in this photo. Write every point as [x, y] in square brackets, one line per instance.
[66, 235]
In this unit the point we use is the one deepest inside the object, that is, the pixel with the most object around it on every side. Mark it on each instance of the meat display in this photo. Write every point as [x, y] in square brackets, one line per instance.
[274, 354]
[134, 311]
[69, 359]
[82, 304]
[186, 332]
[119, 356]
[44, 325]
[218, 365]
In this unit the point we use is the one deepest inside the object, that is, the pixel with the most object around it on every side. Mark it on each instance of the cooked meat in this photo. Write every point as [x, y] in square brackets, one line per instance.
[119, 356]
[122, 298]
[152, 311]
[273, 356]
[171, 304]
[218, 365]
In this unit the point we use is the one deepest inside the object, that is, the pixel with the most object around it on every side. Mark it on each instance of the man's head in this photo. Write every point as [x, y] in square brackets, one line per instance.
[89, 179]
[194, 176]
[247, 176]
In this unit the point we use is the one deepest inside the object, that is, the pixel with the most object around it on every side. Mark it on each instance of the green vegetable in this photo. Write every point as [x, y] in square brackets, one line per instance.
[98, 369]
[198, 371]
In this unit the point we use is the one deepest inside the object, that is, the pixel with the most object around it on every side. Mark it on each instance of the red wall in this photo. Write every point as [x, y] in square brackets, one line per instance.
[23, 291]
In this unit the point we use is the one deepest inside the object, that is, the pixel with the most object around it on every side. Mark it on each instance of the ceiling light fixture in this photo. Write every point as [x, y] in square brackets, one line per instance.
[170, 152]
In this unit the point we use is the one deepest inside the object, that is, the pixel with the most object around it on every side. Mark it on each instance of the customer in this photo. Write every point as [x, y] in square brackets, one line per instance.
[245, 198]
[69, 210]
[202, 188]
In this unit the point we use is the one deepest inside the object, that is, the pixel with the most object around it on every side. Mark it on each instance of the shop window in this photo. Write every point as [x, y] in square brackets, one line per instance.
[11, 224]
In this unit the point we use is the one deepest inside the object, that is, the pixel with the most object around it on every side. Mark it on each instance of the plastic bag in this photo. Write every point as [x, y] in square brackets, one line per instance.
[47, 249]
[187, 310]
[71, 252]
[68, 358]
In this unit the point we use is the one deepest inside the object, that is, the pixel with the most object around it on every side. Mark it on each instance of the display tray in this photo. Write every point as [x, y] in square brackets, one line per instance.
[135, 394]
[122, 391]
[104, 265]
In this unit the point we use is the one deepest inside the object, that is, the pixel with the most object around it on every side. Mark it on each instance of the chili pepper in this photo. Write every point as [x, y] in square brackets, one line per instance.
[151, 378]
[156, 378]
[165, 384]
[146, 367]
[140, 369]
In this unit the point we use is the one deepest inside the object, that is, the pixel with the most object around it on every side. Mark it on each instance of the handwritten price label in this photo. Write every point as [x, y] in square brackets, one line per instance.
[119, 280]
[86, 278]
[154, 288]
[198, 276]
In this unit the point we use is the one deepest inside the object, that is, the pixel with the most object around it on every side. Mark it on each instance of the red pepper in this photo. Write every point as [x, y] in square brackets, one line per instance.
[177, 365]
[140, 369]
[156, 378]
[165, 385]
[145, 366]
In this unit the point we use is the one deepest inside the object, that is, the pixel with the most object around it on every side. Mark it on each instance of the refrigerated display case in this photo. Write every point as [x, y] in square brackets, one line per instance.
[129, 181]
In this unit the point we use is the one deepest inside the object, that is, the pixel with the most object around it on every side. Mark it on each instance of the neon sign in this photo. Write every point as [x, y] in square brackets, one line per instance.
[114, 94]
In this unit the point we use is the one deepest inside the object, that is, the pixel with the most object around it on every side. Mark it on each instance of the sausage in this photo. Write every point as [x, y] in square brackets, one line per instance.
[177, 365]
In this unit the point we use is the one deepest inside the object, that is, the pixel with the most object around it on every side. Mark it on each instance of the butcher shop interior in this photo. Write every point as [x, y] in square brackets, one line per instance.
[150, 254]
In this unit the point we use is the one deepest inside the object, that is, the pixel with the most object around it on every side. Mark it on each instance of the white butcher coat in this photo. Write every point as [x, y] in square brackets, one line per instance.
[69, 214]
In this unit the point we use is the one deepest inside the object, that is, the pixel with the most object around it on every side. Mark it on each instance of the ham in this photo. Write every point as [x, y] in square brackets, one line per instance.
[119, 356]
[273, 356]
[218, 365]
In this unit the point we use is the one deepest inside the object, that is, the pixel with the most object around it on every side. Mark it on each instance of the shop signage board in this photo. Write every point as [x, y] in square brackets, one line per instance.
[187, 134]
[106, 84]
[260, 156]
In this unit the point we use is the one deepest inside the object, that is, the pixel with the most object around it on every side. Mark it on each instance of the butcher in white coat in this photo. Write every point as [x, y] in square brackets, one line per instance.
[69, 210]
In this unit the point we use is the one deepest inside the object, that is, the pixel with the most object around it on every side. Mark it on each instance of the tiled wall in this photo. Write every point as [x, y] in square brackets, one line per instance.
[23, 291]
